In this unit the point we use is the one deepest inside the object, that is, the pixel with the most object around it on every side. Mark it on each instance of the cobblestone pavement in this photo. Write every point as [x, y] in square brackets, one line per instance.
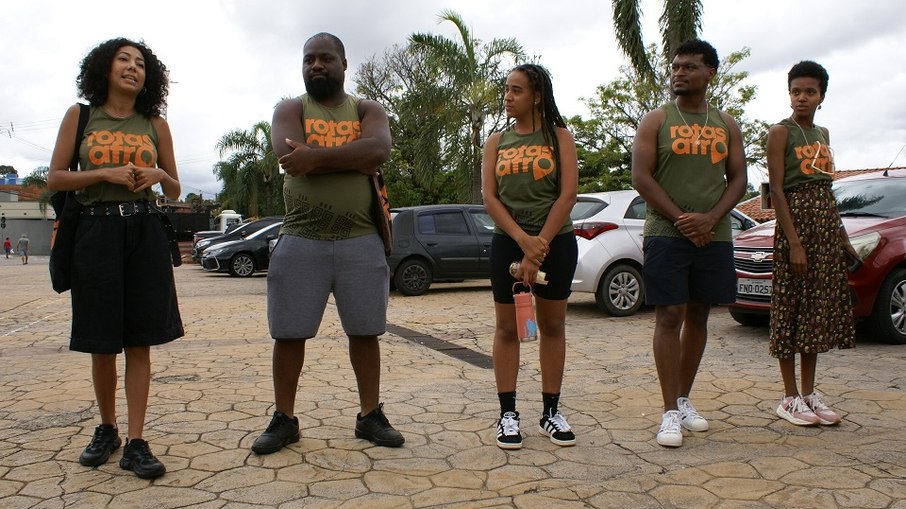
[211, 396]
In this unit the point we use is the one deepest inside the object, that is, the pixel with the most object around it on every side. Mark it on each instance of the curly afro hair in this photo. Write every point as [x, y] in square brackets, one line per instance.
[92, 81]
[809, 69]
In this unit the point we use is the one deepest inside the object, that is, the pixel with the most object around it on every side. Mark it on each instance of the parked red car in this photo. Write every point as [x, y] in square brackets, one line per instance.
[873, 209]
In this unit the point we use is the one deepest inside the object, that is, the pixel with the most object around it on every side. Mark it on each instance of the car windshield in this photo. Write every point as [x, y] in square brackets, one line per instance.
[874, 197]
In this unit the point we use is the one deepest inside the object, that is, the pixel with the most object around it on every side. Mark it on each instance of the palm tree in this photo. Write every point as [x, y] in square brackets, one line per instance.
[474, 74]
[680, 21]
[250, 173]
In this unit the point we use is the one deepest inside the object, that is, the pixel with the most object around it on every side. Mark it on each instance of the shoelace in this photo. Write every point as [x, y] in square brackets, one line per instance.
[509, 425]
[671, 424]
[559, 422]
[815, 402]
[797, 405]
[686, 409]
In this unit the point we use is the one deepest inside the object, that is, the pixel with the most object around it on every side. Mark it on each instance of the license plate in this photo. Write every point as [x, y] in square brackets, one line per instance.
[749, 286]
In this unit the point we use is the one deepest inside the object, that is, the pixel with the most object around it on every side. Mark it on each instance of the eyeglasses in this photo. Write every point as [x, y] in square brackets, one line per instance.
[830, 159]
[685, 67]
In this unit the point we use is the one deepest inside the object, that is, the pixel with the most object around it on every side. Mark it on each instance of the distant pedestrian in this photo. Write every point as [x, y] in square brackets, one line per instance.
[529, 179]
[811, 310]
[689, 164]
[7, 247]
[123, 292]
[22, 248]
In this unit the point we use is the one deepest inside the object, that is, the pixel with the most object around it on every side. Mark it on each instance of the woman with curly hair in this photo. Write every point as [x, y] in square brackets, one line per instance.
[123, 292]
[529, 177]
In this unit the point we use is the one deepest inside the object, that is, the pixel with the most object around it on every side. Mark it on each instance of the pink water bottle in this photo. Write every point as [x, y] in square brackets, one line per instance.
[526, 326]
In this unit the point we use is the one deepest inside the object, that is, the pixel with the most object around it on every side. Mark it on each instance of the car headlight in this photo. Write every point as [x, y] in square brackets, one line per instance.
[202, 244]
[865, 244]
[213, 252]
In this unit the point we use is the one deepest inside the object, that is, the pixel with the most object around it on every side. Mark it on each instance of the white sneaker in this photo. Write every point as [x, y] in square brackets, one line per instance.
[689, 417]
[671, 432]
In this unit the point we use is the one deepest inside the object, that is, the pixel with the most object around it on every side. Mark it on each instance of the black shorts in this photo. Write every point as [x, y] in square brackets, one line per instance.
[123, 293]
[559, 264]
[676, 272]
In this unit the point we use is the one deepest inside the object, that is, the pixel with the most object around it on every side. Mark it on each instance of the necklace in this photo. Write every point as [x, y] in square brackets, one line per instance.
[117, 117]
[707, 113]
[800, 129]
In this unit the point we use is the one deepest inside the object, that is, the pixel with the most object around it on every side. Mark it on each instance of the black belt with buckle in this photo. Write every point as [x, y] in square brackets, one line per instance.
[123, 209]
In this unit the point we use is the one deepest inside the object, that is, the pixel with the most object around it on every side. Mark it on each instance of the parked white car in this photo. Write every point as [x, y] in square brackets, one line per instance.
[608, 228]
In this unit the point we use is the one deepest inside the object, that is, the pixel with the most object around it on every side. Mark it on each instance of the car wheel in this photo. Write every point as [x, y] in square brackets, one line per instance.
[412, 277]
[888, 320]
[620, 292]
[750, 319]
[242, 265]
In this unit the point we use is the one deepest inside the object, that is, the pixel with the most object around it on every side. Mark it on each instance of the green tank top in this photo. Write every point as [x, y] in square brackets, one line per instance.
[110, 142]
[691, 168]
[807, 157]
[329, 206]
[528, 180]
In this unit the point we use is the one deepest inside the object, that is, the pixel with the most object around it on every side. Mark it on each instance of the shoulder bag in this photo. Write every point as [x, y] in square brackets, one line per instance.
[67, 210]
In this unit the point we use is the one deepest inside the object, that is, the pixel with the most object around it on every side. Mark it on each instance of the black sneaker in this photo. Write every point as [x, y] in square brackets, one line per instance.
[138, 458]
[556, 427]
[281, 432]
[103, 443]
[508, 436]
[376, 428]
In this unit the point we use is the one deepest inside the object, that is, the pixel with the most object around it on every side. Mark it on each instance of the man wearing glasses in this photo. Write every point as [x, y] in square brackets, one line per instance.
[689, 165]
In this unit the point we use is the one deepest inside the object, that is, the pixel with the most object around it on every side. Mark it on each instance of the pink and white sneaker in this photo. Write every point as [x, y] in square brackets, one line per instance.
[795, 410]
[826, 416]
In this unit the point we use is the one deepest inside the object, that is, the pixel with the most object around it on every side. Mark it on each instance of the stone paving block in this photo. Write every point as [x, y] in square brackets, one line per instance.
[163, 497]
[742, 489]
[396, 484]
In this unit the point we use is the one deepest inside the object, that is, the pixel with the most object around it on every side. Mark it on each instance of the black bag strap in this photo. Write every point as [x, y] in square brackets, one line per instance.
[84, 110]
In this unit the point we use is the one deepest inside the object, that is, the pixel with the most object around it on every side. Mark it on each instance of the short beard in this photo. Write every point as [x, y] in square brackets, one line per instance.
[323, 88]
[682, 91]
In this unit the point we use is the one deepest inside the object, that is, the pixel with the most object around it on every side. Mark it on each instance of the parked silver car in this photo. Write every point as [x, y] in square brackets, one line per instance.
[608, 227]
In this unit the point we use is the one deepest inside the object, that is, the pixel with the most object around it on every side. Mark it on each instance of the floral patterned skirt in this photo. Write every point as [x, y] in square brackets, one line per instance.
[811, 313]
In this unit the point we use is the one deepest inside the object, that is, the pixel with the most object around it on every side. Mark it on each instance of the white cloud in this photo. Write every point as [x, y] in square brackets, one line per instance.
[232, 60]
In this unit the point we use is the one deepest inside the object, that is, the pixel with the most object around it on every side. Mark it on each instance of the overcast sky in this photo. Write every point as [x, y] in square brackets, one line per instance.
[230, 61]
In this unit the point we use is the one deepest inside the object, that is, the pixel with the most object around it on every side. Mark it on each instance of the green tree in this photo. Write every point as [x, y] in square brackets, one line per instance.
[423, 128]
[252, 182]
[472, 75]
[680, 21]
[38, 178]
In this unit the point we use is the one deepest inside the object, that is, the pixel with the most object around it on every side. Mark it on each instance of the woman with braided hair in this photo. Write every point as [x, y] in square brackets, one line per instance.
[529, 180]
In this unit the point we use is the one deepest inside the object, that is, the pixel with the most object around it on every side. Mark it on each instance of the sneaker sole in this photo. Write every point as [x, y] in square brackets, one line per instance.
[670, 442]
[378, 442]
[509, 446]
[794, 420]
[825, 422]
[694, 428]
[143, 474]
[271, 450]
[556, 441]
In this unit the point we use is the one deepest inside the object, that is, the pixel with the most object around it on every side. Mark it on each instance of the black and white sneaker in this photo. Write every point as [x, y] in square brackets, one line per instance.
[508, 436]
[556, 427]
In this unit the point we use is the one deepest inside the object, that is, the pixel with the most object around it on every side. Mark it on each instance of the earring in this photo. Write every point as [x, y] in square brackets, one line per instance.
[819, 106]
[144, 91]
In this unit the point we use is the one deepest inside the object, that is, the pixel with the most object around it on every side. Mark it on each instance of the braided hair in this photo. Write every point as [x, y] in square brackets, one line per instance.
[540, 81]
